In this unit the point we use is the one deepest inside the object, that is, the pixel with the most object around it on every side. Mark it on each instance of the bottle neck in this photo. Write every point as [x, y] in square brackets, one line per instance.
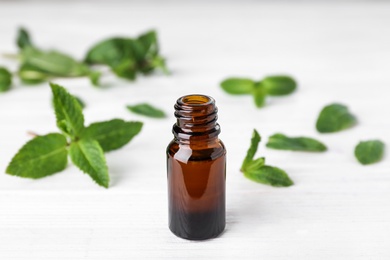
[196, 119]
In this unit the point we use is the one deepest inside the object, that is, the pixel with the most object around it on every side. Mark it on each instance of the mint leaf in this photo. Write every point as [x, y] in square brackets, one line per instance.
[147, 53]
[5, 79]
[269, 175]
[40, 157]
[117, 53]
[238, 86]
[53, 63]
[369, 152]
[30, 75]
[146, 110]
[335, 117]
[149, 44]
[159, 62]
[255, 164]
[255, 140]
[23, 39]
[47, 154]
[70, 118]
[146, 49]
[127, 56]
[257, 171]
[87, 155]
[126, 69]
[259, 95]
[94, 77]
[272, 85]
[110, 52]
[112, 134]
[282, 142]
[80, 101]
[279, 85]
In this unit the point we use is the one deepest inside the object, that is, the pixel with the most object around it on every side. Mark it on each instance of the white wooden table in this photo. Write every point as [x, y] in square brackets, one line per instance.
[337, 209]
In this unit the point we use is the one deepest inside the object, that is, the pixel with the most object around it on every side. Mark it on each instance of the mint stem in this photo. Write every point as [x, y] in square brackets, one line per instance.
[10, 56]
[33, 134]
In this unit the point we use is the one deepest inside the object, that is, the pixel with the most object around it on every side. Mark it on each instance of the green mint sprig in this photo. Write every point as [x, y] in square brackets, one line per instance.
[334, 118]
[278, 85]
[47, 154]
[37, 65]
[283, 142]
[5, 79]
[369, 152]
[127, 57]
[146, 110]
[257, 171]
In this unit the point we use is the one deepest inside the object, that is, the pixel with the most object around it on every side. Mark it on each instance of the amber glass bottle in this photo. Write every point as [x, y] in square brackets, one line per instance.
[196, 165]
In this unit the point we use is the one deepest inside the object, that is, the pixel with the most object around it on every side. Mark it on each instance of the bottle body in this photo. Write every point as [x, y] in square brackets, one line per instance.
[196, 172]
[196, 191]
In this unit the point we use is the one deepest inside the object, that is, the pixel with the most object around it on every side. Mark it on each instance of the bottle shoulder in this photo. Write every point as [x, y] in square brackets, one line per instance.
[175, 145]
[194, 152]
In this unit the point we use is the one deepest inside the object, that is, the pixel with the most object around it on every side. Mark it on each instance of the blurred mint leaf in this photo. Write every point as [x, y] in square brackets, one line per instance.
[279, 85]
[269, 175]
[53, 63]
[23, 39]
[272, 85]
[259, 95]
[257, 171]
[255, 140]
[112, 134]
[149, 58]
[70, 118]
[369, 152]
[40, 157]
[238, 86]
[110, 52]
[146, 110]
[283, 142]
[94, 77]
[158, 62]
[127, 56]
[335, 117]
[255, 164]
[87, 155]
[149, 44]
[30, 75]
[126, 69]
[5, 79]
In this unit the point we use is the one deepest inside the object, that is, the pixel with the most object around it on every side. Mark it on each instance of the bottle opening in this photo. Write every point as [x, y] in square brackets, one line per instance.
[195, 100]
[196, 118]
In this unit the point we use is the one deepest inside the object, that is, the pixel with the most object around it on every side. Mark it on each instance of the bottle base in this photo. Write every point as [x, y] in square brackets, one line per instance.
[197, 226]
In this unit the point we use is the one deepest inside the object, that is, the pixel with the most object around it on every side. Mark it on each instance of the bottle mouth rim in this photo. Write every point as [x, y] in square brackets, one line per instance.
[195, 100]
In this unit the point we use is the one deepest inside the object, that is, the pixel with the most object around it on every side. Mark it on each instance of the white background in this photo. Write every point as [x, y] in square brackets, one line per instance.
[337, 208]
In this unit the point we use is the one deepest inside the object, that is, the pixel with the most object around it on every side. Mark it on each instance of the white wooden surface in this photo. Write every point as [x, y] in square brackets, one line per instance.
[337, 209]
